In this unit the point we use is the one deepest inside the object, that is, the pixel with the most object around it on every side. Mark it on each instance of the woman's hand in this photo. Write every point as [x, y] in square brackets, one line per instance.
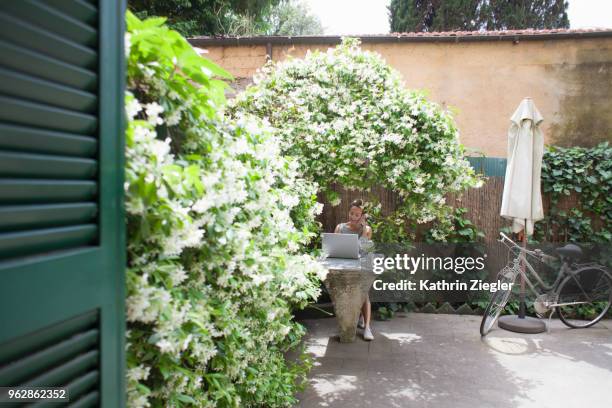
[363, 220]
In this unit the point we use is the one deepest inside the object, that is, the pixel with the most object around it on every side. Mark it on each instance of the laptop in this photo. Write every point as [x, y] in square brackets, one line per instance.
[341, 245]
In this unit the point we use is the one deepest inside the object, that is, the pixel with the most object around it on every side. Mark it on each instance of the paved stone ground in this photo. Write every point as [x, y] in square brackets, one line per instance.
[426, 360]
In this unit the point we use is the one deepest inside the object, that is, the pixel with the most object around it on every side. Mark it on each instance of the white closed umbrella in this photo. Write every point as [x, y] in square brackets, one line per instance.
[522, 198]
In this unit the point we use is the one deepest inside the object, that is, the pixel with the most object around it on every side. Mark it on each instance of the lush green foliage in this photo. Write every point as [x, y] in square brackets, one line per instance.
[463, 229]
[587, 173]
[232, 17]
[213, 263]
[208, 17]
[473, 15]
[293, 17]
[348, 116]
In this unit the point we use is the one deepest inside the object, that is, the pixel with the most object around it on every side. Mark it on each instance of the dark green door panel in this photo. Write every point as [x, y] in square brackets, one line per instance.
[62, 238]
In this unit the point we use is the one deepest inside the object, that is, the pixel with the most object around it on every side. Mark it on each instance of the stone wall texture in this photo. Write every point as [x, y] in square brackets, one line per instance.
[569, 79]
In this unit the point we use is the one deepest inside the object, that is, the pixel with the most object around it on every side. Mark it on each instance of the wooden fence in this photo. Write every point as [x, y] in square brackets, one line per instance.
[483, 204]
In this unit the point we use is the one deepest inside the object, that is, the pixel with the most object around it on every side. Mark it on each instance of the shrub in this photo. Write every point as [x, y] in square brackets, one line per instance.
[213, 255]
[346, 114]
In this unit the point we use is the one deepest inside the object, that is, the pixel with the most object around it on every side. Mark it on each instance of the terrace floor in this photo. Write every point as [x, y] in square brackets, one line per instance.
[427, 360]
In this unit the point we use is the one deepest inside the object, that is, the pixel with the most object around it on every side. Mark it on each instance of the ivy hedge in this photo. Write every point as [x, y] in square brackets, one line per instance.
[585, 173]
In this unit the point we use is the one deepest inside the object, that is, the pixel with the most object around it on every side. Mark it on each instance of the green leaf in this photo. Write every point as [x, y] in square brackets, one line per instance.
[186, 398]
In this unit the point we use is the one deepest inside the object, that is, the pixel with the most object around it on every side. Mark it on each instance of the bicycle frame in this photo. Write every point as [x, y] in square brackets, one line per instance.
[547, 296]
[521, 252]
[564, 271]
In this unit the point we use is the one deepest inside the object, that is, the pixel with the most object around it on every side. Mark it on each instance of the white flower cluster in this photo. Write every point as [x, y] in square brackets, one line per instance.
[347, 116]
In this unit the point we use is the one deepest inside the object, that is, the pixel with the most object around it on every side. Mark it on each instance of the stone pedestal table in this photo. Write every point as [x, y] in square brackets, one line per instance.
[348, 282]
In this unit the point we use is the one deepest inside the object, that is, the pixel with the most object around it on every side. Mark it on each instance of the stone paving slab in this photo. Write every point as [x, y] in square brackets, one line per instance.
[430, 361]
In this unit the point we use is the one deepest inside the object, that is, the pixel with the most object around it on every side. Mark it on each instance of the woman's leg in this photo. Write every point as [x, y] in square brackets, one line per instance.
[366, 311]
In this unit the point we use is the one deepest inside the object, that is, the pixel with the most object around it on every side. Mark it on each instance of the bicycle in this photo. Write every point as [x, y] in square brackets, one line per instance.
[577, 287]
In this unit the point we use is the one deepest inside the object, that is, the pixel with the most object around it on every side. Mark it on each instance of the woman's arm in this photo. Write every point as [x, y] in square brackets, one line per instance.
[367, 230]
[337, 230]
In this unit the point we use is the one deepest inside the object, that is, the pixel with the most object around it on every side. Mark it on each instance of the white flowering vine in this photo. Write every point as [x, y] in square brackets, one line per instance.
[216, 219]
[349, 118]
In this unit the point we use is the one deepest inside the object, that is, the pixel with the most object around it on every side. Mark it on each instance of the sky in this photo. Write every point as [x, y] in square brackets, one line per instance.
[370, 16]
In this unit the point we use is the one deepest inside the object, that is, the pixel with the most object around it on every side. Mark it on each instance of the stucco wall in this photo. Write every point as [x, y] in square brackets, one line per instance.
[570, 81]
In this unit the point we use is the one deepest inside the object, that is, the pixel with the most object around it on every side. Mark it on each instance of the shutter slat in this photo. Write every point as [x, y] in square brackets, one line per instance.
[46, 166]
[15, 244]
[66, 372]
[42, 91]
[76, 9]
[20, 347]
[39, 115]
[17, 372]
[22, 217]
[52, 20]
[28, 139]
[83, 384]
[16, 191]
[75, 393]
[34, 63]
[24, 34]
[90, 400]
[75, 390]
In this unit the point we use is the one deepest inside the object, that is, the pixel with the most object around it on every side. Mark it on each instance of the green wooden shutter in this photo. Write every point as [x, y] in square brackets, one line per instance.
[62, 243]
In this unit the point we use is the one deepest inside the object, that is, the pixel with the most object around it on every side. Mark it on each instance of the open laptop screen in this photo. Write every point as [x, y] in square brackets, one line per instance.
[341, 245]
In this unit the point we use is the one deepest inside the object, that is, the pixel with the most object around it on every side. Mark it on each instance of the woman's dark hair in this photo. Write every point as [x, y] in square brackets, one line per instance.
[356, 203]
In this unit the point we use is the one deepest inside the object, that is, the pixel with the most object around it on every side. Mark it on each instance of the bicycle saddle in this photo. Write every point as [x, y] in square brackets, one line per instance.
[570, 251]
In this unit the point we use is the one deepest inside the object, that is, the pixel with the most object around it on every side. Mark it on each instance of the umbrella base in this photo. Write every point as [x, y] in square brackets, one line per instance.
[516, 324]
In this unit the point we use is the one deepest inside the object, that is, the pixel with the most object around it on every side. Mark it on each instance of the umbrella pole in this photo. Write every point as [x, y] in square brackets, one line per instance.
[521, 314]
[521, 323]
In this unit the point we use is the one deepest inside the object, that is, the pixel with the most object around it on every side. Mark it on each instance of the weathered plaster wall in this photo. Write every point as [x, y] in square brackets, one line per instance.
[570, 81]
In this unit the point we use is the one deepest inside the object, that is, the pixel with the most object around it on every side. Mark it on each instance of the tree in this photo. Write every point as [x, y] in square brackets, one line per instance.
[208, 17]
[293, 18]
[507, 14]
[471, 15]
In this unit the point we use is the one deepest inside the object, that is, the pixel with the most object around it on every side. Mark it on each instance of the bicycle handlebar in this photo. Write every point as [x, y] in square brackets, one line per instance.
[537, 253]
[504, 237]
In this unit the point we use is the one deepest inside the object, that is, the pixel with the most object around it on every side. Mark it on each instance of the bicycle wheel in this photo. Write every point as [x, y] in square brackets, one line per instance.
[584, 298]
[498, 301]
[491, 314]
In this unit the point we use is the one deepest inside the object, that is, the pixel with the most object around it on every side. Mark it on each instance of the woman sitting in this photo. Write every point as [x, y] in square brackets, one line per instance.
[356, 224]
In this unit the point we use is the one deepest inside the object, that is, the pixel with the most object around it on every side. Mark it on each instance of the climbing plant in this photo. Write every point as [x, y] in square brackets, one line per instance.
[214, 262]
[351, 121]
